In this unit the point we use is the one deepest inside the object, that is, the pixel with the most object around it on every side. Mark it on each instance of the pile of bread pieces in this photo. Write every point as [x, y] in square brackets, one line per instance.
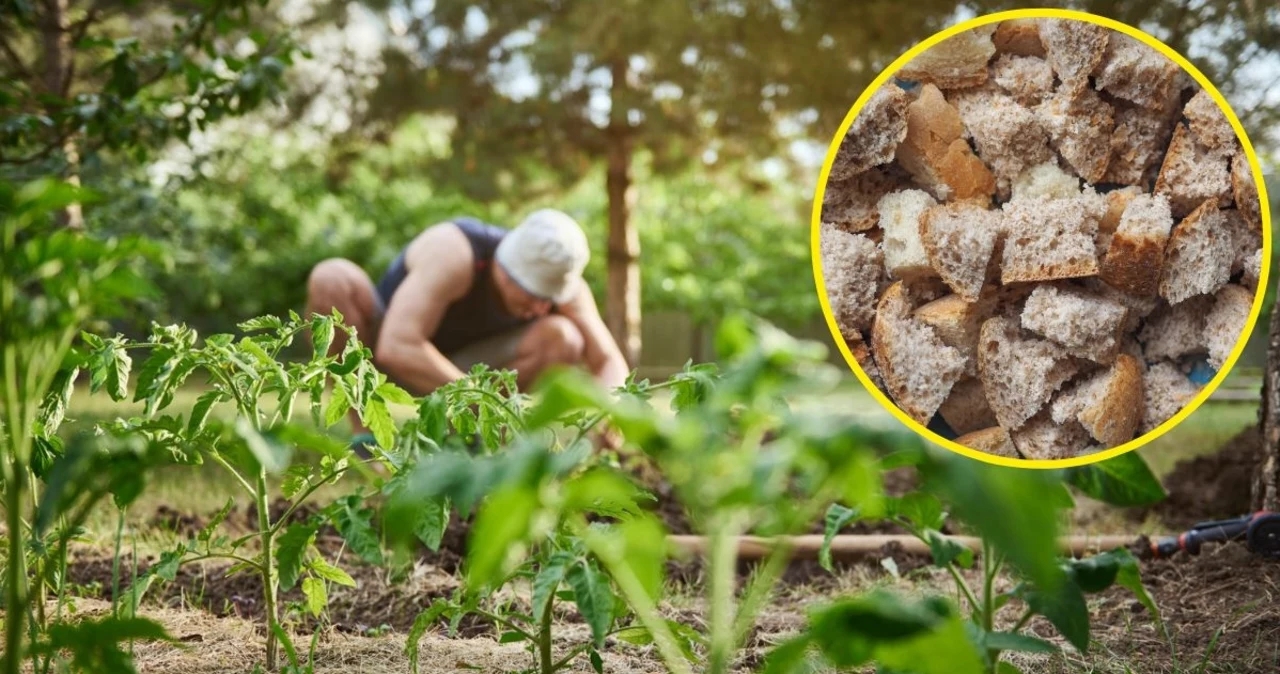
[1035, 232]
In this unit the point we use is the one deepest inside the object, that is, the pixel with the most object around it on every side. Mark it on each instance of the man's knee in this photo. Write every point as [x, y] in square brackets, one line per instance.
[559, 339]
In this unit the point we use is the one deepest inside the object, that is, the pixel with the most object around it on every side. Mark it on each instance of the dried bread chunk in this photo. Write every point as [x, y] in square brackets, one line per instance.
[851, 269]
[862, 353]
[1080, 126]
[900, 213]
[1112, 409]
[993, 440]
[966, 409]
[874, 134]
[1198, 259]
[1135, 257]
[958, 61]
[1139, 306]
[1117, 202]
[1209, 125]
[1165, 390]
[1190, 175]
[1008, 136]
[1175, 331]
[1028, 79]
[1073, 48]
[918, 368]
[1020, 37]
[1246, 238]
[959, 239]
[1245, 190]
[1043, 439]
[936, 154]
[1225, 323]
[1252, 271]
[1138, 143]
[1020, 373]
[851, 204]
[1050, 238]
[1136, 73]
[1085, 324]
[1045, 180]
[957, 323]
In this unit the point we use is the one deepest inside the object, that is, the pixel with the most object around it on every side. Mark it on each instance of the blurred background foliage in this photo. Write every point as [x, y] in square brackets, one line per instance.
[254, 138]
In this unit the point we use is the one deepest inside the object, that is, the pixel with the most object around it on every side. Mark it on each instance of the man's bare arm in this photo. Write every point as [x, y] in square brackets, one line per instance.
[405, 351]
[603, 357]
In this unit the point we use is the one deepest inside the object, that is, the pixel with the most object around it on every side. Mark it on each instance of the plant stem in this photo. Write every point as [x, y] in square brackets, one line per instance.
[115, 566]
[269, 588]
[721, 562]
[968, 593]
[16, 582]
[988, 581]
[544, 639]
[1022, 622]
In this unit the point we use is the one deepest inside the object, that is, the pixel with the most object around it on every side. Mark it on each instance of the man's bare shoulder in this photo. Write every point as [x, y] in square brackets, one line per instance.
[443, 254]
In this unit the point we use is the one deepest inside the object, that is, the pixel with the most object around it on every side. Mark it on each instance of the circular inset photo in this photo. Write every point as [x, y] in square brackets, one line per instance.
[1040, 239]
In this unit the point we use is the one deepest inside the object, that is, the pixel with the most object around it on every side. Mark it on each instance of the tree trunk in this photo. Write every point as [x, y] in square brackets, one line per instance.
[622, 310]
[1268, 475]
[58, 52]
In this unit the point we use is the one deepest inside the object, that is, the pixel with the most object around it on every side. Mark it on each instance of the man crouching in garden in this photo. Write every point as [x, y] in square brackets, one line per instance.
[465, 292]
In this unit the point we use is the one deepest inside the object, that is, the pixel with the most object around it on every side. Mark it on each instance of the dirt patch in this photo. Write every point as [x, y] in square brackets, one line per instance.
[1226, 596]
[1215, 486]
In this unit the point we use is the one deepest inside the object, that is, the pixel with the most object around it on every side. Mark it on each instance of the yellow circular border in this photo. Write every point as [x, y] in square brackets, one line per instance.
[1205, 391]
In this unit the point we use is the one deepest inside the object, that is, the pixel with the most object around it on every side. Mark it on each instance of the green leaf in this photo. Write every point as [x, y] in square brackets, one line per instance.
[925, 636]
[687, 638]
[421, 624]
[946, 649]
[200, 411]
[945, 550]
[594, 597]
[270, 453]
[837, 517]
[321, 335]
[395, 395]
[597, 663]
[923, 510]
[1065, 607]
[1096, 573]
[261, 323]
[167, 567]
[329, 572]
[547, 580]
[378, 418]
[562, 392]
[218, 518]
[1007, 668]
[93, 646]
[355, 524]
[1007, 506]
[499, 534]
[317, 597]
[295, 480]
[1022, 643]
[511, 637]
[1129, 577]
[291, 547]
[433, 519]
[789, 657]
[1124, 480]
[54, 408]
[337, 407]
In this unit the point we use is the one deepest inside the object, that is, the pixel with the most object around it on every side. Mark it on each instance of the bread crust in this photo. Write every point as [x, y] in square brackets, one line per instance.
[957, 62]
[936, 154]
[994, 440]
[1189, 175]
[885, 346]
[1115, 415]
[1020, 37]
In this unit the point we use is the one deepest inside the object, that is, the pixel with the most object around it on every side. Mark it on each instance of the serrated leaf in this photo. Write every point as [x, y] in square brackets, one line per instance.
[317, 596]
[296, 479]
[291, 548]
[321, 335]
[433, 519]
[218, 518]
[200, 411]
[594, 597]
[354, 523]
[836, 518]
[378, 418]
[330, 572]
[337, 407]
[269, 452]
[394, 394]
[945, 550]
[547, 580]
[260, 323]
[54, 408]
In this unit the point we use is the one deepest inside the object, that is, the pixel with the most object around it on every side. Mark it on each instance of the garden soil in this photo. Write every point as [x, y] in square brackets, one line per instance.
[1215, 486]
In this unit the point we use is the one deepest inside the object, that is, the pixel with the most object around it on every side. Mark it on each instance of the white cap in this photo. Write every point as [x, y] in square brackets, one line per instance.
[545, 255]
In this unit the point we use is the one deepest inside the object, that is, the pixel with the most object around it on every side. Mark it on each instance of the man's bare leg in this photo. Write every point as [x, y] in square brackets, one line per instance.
[550, 340]
[341, 284]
